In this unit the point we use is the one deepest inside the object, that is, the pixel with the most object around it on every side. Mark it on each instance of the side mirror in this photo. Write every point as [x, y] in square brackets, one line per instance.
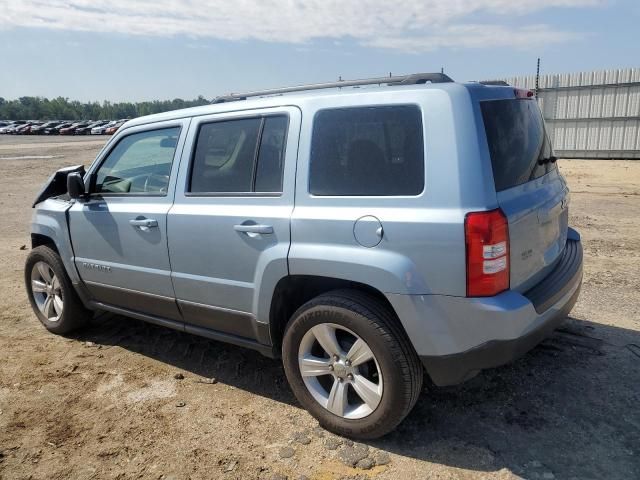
[75, 185]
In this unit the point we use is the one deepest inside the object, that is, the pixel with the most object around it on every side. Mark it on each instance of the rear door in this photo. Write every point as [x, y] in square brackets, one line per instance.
[229, 229]
[530, 190]
[119, 234]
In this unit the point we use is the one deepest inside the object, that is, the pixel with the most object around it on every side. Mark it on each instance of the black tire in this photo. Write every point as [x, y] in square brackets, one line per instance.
[373, 322]
[74, 314]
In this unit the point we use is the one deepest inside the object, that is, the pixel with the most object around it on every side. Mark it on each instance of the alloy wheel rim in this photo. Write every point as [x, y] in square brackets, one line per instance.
[47, 291]
[340, 371]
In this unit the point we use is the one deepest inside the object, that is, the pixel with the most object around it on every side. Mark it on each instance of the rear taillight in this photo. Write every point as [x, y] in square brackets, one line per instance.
[487, 242]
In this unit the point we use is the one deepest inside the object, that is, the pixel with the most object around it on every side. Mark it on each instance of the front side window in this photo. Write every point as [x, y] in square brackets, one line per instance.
[140, 163]
[369, 151]
[240, 156]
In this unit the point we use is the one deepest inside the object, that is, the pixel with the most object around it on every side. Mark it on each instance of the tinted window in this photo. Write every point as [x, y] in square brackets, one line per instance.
[139, 163]
[517, 140]
[224, 156]
[271, 155]
[227, 160]
[367, 151]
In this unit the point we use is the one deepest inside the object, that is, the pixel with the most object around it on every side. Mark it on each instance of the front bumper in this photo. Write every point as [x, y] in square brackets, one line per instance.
[457, 337]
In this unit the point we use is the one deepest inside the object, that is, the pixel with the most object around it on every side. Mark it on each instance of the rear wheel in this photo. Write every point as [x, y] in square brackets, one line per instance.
[350, 364]
[51, 294]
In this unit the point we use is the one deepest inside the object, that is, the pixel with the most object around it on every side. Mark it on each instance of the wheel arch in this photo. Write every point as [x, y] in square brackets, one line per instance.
[49, 226]
[293, 291]
[38, 240]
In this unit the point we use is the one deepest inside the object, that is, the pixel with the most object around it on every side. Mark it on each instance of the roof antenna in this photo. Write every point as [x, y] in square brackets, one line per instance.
[441, 69]
[538, 77]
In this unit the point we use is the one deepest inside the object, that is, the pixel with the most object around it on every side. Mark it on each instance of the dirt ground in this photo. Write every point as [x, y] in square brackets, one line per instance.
[110, 402]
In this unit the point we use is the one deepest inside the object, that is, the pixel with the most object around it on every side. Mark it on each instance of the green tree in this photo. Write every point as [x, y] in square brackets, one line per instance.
[61, 108]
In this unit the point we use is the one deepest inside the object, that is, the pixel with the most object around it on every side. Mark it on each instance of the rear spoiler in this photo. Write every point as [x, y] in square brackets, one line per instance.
[497, 83]
[57, 183]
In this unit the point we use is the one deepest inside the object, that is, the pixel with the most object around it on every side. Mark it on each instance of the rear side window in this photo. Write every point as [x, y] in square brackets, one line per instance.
[271, 155]
[239, 156]
[368, 151]
[517, 140]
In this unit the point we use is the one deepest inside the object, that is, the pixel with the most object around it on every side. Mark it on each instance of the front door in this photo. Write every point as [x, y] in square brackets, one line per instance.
[229, 227]
[119, 234]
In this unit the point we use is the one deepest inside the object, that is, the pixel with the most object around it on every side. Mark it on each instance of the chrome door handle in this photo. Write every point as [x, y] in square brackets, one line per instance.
[144, 223]
[262, 229]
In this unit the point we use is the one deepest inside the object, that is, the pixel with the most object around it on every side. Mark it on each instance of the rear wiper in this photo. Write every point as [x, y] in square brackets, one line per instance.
[551, 159]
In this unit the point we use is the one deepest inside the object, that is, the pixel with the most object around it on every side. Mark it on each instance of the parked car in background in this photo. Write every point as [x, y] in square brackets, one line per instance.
[70, 130]
[87, 129]
[17, 128]
[29, 129]
[10, 125]
[26, 128]
[55, 129]
[60, 127]
[113, 129]
[40, 129]
[20, 128]
[101, 129]
[11, 128]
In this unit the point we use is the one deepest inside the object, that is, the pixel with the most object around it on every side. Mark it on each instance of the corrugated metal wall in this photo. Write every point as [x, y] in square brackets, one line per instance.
[590, 114]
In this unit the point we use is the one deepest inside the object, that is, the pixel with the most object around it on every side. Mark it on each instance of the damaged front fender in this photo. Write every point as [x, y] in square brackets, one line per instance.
[57, 183]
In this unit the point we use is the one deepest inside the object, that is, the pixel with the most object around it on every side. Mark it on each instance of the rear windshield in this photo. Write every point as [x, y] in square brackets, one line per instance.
[517, 140]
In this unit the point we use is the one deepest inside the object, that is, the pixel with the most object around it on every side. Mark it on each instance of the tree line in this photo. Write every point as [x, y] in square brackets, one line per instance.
[61, 108]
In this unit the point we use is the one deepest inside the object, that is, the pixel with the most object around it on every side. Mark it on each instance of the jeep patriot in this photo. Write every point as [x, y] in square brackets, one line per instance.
[365, 232]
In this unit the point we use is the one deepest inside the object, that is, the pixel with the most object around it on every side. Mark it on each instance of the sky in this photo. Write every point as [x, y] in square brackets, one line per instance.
[134, 50]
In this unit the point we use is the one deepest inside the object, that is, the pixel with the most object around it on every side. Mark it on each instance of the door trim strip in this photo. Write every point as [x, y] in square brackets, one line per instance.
[134, 300]
[265, 350]
[234, 322]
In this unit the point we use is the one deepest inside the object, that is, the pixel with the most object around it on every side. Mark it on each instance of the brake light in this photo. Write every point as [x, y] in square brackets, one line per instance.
[522, 93]
[487, 242]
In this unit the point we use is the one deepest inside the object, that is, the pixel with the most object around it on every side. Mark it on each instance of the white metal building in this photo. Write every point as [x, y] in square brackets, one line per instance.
[590, 114]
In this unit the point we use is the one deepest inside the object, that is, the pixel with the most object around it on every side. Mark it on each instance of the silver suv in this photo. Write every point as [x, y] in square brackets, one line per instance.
[364, 232]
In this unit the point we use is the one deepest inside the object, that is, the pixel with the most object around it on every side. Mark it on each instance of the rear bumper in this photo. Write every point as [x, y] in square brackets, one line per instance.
[457, 337]
[562, 278]
[456, 368]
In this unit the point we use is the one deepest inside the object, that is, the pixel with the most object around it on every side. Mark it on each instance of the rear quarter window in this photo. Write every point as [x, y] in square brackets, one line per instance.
[367, 151]
[517, 140]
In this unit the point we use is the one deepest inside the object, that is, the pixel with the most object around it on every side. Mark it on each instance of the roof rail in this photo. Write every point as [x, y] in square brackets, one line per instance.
[413, 79]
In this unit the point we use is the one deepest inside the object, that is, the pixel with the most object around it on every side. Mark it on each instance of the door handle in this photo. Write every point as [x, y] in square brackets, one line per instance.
[144, 223]
[262, 229]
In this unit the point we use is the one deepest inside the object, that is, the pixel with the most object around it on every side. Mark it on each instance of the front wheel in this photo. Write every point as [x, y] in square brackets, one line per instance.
[351, 365]
[51, 294]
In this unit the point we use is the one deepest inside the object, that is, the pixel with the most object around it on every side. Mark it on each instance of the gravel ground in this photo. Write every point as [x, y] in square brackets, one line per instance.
[124, 399]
